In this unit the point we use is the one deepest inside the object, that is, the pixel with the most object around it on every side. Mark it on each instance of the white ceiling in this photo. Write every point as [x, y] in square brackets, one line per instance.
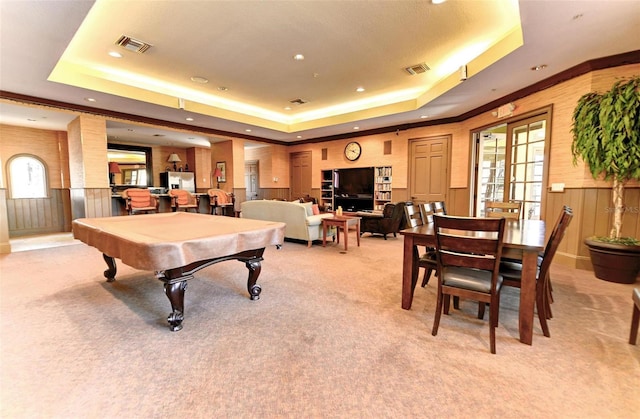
[247, 46]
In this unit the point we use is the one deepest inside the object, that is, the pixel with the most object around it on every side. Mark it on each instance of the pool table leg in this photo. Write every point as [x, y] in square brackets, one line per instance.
[175, 293]
[110, 273]
[254, 267]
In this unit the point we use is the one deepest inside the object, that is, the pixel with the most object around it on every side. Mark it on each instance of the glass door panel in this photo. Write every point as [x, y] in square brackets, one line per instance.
[510, 165]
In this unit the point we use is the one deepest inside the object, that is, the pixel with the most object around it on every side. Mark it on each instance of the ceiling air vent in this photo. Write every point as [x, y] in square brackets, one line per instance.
[417, 69]
[131, 44]
[298, 101]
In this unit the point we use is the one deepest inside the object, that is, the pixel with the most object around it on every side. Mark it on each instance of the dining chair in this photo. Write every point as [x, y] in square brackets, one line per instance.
[412, 213]
[635, 317]
[183, 199]
[221, 202]
[511, 210]
[468, 254]
[140, 200]
[428, 259]
[511, 271]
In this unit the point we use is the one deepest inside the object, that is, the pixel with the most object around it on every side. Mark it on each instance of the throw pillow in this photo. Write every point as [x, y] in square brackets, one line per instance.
[315, 209]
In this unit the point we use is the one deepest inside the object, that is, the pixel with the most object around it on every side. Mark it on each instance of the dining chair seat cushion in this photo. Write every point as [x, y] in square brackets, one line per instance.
[470, 279]
[429, 257]
[516, 265]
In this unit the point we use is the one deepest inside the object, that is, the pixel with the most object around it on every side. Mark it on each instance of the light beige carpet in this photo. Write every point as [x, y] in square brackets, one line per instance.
[327, 339]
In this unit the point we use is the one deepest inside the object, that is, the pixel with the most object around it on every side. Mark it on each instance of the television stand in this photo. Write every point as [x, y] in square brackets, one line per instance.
[354, 204]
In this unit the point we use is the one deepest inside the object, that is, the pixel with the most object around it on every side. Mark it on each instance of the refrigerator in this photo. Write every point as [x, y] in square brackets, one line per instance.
[178, 180]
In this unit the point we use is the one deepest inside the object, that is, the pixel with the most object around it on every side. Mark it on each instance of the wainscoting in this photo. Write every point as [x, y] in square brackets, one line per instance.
[32, 216]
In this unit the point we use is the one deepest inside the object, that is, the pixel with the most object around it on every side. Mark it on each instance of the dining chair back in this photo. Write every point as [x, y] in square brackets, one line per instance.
[498, 209]
[512, 270]
[426, 212]
[439, 207]
[183, 200]
[140, 200]
[428, 259]
[635, 317]
[412, 213]
[468, 254]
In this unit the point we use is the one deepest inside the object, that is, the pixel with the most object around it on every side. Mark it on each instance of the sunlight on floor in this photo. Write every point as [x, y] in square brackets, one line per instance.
[22, 244]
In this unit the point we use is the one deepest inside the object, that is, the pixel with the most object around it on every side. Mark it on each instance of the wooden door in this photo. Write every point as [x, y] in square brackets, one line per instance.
[251, 179]
[428, 168]
[300, 174]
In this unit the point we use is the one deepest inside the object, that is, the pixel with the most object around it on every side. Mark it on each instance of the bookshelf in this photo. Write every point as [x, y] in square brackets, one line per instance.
[326, 190]
[382, 192]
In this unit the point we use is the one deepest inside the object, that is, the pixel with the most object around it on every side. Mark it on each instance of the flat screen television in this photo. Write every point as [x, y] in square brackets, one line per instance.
[354, 183]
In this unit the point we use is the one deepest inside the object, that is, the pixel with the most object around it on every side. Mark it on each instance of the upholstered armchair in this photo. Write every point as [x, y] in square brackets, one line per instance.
[391, 220]
[140, 200]
[184, 200]
[221, 202]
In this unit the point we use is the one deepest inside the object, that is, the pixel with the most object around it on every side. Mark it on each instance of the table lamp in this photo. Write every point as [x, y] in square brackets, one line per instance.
[217, 174]
[174, 158]
[113, 169]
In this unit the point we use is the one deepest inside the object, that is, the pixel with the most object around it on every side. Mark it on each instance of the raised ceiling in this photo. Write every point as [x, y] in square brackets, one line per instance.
[60, 51]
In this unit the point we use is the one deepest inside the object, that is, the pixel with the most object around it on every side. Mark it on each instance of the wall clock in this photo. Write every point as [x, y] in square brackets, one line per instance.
[352, 151]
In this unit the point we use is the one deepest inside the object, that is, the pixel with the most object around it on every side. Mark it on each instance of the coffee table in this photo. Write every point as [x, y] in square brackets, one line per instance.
[340, 222]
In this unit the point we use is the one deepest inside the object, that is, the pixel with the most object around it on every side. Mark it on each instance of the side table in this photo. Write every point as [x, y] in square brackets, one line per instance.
[340, 222]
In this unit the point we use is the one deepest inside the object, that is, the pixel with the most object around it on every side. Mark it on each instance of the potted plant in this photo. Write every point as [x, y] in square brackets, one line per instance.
[606, 136]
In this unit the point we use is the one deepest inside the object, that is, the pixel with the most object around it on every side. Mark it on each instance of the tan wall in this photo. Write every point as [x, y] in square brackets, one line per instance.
[273, 163]
[586, 195]
[223, 152]
[49, 146]
[87, 139]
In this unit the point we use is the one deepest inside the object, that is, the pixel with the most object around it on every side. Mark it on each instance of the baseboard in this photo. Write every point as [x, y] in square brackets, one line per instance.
[5, 248]
[573, 261]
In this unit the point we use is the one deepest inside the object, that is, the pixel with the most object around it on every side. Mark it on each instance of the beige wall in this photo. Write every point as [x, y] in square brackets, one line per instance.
[585, 194]
[49, 146]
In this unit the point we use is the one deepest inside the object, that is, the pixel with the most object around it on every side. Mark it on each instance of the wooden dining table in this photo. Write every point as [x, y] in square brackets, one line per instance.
[523, 239]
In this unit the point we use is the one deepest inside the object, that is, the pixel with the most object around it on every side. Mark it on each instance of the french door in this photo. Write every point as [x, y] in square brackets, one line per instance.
[511, 164]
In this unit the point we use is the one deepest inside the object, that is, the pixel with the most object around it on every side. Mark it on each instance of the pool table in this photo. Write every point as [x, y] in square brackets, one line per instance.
[175, 245]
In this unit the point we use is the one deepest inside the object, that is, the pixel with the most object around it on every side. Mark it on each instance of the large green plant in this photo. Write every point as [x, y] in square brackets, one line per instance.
[606, 136]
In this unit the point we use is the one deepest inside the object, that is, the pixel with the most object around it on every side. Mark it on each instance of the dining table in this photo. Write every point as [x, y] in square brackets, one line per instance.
[523, 240]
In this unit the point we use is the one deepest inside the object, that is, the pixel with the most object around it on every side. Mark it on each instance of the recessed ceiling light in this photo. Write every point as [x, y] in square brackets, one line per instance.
[356, 127]
[539, 67]
[189, 119]
[438, 1]
[298, 57]
[287, 108]
[578, 16]
[360, 89]
[298, 136]
[247, 130]
[198, 79]
[31, 120]
[424, 116]
[115, 54]
[90, 99]
[223, 88]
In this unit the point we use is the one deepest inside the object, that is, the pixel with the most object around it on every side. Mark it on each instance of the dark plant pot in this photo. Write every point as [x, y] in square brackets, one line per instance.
[614, 262]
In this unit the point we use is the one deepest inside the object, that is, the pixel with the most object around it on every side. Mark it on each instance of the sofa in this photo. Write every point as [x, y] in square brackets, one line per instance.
[302, 223]
[391, 220]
